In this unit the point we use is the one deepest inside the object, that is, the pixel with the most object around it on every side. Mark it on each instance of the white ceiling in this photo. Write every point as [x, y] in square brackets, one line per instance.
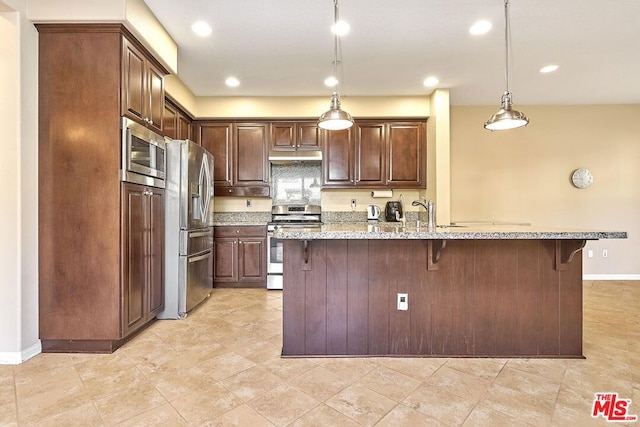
[285, 48]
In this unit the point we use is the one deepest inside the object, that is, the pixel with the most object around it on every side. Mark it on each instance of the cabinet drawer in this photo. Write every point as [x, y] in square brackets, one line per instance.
[241, 231]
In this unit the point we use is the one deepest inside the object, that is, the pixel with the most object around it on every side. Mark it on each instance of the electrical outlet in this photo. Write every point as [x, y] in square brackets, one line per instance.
[353, 204]
[403, 302]
[605, 253]
[248, 203]
[590, 253]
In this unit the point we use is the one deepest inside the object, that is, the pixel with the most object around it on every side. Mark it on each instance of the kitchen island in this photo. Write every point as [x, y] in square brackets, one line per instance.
[482, 291]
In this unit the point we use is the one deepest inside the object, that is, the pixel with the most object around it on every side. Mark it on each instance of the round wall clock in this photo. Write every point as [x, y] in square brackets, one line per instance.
[581, 178]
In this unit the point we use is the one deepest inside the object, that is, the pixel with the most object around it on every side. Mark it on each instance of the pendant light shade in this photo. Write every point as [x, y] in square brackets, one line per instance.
[335, 118]
[506, 117]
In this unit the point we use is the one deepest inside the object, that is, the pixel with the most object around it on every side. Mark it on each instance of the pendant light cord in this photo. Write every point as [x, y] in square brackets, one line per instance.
[336, 18]
[506, 43]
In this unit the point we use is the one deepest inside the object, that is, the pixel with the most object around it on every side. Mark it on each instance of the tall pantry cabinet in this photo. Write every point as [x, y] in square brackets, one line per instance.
[95, 291]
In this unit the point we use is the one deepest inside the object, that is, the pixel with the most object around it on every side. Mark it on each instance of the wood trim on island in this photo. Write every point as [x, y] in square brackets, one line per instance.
[481, 298]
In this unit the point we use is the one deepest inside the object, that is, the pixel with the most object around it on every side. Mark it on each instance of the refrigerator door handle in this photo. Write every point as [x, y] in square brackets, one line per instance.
[200, 257]
[200, 234]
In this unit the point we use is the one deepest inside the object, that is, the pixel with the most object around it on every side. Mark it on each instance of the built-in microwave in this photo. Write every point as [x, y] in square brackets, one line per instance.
[143, 155]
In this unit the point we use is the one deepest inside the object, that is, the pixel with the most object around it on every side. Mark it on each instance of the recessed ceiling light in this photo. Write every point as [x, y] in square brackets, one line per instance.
[549, 68]
[232, 82]
[340, 28]
[201, 28]
[331, 81]
[480, 27]
[431, 81]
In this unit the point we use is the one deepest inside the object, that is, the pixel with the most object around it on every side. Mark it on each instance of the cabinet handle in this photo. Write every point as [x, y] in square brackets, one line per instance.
[229, 190]
[237, 231]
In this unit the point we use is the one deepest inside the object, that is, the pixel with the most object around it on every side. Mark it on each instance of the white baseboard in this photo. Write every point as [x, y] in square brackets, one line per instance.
[17, 357]
[611, 277]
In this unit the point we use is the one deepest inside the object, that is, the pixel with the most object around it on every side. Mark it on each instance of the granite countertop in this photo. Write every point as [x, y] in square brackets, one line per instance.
[235, 219]
[385, 230]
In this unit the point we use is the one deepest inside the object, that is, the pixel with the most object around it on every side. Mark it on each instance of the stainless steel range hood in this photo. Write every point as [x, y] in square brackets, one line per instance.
[286, 157]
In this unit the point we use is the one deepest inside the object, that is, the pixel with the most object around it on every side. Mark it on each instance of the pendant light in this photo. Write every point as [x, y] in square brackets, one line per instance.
[335, 118]
[506, 117]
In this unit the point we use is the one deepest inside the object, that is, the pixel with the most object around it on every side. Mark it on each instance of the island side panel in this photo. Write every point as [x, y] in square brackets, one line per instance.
[407, 280]
[486, 296]
[549, 299]
[337, 297]
[293, 313]
[571, 303]
[358, 297]
[506, 307]
[421, 302]
[529, 314]
[382, 261]
[315, 301]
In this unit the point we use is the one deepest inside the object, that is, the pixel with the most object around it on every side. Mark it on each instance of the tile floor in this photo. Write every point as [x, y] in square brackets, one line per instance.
[221, 366]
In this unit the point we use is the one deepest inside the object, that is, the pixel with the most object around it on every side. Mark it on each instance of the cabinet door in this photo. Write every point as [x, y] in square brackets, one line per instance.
[169, 121]
[283, 135]
[154, 97]
[225, 259]
[252, 259]
[156, 251]
[216, 138]
[250, 151]
[183, 126]
[134, 270]
[370, 154]
[406, 151]
[307, 136]
[133, 82]
[337, 147]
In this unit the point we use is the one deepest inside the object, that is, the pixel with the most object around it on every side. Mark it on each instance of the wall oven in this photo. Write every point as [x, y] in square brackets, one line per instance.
[143, 155]
[306, 216]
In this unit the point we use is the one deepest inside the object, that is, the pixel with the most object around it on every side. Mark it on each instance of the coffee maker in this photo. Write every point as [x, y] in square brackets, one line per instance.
[390, 211]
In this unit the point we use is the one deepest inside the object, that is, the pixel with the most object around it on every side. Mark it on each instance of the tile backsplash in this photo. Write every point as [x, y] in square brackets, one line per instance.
[296, 183]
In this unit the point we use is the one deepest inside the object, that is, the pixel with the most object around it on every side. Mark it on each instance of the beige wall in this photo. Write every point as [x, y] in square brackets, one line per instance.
[134, 13]
[311, 107]
[524, 174]
[18, 184]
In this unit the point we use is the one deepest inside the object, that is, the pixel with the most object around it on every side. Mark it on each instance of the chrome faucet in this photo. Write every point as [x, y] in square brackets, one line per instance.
[430, 207]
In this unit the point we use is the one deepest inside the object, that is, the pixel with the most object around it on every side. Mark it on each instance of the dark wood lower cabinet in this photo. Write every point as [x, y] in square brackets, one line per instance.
[240, 256]
[486, 298]
[142, 255]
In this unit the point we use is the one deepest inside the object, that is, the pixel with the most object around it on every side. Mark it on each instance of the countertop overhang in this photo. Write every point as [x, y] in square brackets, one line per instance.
[395, 231]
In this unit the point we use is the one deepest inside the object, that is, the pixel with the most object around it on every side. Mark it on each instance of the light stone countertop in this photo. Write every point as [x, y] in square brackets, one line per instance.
[395, 231]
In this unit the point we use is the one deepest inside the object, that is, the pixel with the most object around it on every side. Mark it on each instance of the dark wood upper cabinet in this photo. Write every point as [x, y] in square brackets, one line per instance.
[142, 87]
[184, 127]
[250, 146]
[169, 120]
[216, 138]
[406, 153]
[370, 158]
[176, 123]
[338, 164]
[376, 154]
[298, 135]
[240, 156]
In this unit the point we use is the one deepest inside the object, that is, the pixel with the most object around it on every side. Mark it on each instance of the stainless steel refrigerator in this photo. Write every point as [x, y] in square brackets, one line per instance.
[188, 228]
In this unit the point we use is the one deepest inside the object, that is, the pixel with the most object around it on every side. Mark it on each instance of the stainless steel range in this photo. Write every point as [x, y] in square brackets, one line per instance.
[294, 215]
